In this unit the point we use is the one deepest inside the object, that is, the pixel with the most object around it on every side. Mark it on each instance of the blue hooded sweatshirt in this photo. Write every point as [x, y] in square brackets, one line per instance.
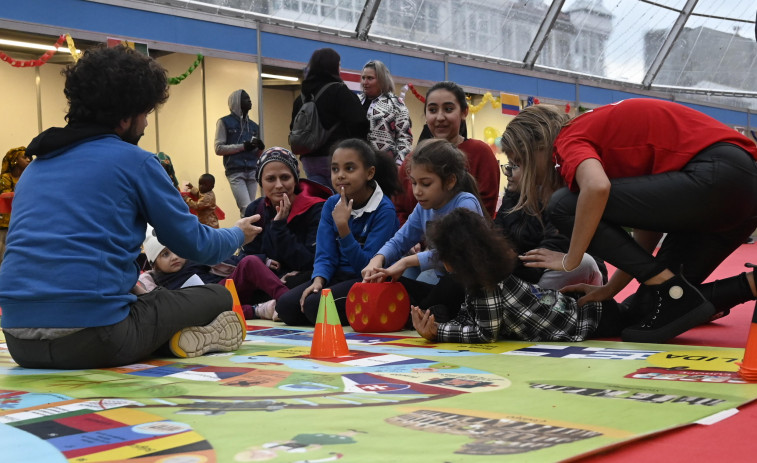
[79, 218]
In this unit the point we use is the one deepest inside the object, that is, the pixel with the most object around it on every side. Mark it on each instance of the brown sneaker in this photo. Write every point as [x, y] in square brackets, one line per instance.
[224, 334]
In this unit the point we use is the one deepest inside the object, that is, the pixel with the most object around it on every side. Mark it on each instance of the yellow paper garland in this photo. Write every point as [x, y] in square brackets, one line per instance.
[72, 48]
[488, 97]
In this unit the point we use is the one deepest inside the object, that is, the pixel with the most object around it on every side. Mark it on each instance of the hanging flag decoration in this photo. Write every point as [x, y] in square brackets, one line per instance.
[510, 104]
[137, 46]
[34, 62]
[177, 80]
[352, 80]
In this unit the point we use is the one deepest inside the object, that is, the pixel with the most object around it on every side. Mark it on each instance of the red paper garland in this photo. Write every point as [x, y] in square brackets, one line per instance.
[417, 95]
[34, 62]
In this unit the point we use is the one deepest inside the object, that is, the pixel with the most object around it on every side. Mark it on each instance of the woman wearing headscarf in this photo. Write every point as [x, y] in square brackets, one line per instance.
[290, 211]
[339, 111]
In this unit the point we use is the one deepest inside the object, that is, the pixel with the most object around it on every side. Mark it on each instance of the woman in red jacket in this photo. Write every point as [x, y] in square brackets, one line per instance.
[654, 166]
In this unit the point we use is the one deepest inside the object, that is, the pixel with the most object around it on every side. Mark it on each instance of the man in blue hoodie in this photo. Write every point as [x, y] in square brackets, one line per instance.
[238, 141]
[79, 218]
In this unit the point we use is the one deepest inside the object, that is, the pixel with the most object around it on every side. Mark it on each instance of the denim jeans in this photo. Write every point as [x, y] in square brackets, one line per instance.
[244, 186]
[317, 169]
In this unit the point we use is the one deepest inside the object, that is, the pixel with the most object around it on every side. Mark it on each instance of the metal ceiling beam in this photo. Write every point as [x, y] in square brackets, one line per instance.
[662, 53]
[541, 35]
[366, 18]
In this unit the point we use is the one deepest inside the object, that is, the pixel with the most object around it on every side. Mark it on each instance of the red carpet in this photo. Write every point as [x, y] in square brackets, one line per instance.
[730, 440]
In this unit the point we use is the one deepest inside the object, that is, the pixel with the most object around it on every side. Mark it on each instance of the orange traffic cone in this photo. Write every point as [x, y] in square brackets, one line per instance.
[748, 367]
[237, 307]
[328, 336]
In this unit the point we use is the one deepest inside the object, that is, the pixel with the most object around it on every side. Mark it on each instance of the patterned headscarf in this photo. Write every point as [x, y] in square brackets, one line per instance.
[11, 159]
[279, 154]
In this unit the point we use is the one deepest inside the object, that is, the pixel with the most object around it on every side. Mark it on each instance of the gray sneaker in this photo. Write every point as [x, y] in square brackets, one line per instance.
[224, 334]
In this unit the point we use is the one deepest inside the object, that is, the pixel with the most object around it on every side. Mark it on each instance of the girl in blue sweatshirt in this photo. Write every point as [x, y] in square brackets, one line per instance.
[354, 224]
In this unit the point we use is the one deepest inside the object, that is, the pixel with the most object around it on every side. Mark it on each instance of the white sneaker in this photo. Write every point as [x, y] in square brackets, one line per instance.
[224, 334]
[266, 309]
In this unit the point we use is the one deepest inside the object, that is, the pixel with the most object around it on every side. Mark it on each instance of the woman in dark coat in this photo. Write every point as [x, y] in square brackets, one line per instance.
[337, 106]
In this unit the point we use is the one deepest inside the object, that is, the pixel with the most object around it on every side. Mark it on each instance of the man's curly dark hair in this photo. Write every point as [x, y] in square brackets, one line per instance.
[108, 85]
[479, 255]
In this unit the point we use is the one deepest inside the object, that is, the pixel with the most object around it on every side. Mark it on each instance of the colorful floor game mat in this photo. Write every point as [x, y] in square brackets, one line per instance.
[394, 398]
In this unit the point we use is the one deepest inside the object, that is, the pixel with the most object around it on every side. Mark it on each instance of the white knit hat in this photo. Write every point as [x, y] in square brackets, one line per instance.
[151, 245]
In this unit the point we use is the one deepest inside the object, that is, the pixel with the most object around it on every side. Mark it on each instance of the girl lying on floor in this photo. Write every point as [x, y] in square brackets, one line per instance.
[500, 306]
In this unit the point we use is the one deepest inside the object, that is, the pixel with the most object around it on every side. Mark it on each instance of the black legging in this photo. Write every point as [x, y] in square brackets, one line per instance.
[290, 312]
[708, 209]
[444, 299]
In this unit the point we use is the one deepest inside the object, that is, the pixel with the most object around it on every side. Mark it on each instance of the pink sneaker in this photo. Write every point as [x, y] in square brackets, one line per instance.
[266, 309]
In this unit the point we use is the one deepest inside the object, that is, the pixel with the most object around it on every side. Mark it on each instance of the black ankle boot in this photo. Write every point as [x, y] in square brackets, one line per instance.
[748, 265]
[678, 307]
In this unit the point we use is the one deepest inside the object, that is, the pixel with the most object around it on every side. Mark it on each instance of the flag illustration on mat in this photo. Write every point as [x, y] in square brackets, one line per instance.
[352, 79]
[510, 104]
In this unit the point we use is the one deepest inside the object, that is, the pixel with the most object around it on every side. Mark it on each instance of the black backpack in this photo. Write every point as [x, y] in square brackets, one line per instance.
[308, 133]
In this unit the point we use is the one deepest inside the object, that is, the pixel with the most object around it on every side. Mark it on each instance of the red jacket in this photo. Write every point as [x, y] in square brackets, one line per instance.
[638, 137]
[482, 164]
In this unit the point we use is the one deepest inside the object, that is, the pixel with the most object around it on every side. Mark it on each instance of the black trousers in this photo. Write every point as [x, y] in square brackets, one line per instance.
[708, 209]
[290, 312]
[444, 299]
[152, 320]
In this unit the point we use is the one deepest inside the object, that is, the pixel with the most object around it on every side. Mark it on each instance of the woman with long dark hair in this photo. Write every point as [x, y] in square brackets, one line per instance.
[339, 111]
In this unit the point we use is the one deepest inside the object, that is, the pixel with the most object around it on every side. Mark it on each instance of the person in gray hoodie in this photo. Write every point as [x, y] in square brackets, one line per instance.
[238, 141]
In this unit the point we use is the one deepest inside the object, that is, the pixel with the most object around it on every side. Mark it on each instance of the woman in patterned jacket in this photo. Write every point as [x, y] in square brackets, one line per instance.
[387, 114]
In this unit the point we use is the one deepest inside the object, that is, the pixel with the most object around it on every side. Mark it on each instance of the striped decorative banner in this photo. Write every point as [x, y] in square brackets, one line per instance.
[352, 79]
[510, 104]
